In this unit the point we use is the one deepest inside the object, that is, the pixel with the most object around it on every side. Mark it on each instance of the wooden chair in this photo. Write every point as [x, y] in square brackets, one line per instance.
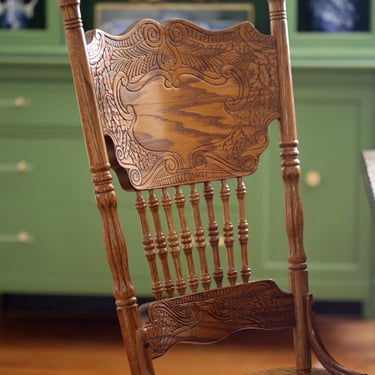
[175, 110]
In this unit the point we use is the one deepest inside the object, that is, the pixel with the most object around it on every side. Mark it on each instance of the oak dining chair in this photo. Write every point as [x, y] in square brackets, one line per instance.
[181, 115]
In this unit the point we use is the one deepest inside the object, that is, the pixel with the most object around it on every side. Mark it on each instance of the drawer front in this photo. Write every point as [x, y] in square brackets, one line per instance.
[50, 236]
[31, 104]
[334, 127]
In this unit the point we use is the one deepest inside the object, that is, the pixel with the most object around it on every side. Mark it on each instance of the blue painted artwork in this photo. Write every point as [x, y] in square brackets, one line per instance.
[15, 14]
[335, 15]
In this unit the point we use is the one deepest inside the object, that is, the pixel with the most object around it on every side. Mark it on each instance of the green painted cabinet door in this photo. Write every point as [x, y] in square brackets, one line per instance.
[334, 116]
[50, 234]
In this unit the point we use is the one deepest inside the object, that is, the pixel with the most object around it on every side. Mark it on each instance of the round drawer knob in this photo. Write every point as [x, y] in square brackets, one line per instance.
[21, 166]
[19, 102]
[313, 179]
[23, 237]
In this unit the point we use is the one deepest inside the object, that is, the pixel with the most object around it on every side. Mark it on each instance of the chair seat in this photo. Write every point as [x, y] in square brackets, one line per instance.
[288, 371]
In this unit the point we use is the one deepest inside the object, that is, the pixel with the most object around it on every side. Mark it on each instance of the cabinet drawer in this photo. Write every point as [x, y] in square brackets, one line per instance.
[50, 232]
[50, 236]
[39, 104]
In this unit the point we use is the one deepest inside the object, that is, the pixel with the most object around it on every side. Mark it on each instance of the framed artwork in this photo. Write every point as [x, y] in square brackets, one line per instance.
[21, 14]
[114, 18]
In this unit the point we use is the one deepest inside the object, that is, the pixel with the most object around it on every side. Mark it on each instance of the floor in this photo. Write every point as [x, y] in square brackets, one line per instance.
[43, 343]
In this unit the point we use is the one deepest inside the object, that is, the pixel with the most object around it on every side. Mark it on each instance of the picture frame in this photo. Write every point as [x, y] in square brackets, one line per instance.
[114, 18]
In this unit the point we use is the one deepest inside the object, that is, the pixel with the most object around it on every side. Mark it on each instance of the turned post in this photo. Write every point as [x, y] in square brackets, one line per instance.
[105, 195]
[290, 169]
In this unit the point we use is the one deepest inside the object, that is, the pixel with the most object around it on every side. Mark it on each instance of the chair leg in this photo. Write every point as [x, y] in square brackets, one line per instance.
[144, 354]
[317, 345]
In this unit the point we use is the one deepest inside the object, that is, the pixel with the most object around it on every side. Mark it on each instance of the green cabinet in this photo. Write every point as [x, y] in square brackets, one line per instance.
[47, 239]
[334, 84]
[44, 40]
[50, 235]
[47, 218]
[335, 118]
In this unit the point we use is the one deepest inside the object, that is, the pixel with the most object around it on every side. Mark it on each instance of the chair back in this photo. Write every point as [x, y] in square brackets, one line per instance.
[181, 114]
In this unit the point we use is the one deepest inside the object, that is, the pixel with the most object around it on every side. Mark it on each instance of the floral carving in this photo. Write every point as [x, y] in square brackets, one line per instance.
[232, 71]
[210, 316]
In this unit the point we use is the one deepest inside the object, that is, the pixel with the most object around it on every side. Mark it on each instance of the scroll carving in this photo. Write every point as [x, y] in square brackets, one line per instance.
[163, 80]
[211, 315]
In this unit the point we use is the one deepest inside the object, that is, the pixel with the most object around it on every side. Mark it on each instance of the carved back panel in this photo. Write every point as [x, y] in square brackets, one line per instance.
[182, 104]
